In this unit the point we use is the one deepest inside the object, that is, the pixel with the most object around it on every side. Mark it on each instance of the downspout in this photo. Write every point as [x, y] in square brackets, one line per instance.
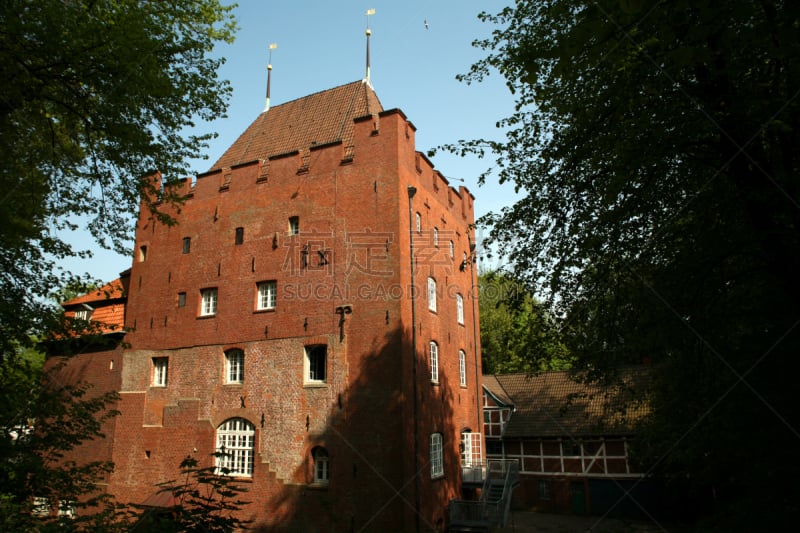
[478, 364]
[411, 192]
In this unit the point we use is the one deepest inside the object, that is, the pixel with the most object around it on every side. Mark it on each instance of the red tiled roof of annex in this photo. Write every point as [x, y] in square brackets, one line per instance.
[558, 404]
[108, 304]
[318, 119]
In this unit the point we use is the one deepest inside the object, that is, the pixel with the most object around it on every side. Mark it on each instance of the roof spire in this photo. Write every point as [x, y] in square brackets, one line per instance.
[272, 47]
[368, 32]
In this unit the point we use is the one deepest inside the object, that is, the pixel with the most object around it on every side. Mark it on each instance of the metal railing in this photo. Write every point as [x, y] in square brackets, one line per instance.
[485, 513]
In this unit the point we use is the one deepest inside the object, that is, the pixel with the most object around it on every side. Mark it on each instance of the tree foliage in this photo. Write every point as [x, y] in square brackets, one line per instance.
[42, 420]
[517, 332]
[655, 146]
[206, 500]
[96, 94]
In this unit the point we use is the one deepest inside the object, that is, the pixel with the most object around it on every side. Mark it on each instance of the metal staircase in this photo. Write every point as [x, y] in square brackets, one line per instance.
[493, 507]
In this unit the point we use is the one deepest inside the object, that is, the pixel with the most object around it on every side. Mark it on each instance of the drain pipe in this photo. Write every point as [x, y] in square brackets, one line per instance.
[411, 192]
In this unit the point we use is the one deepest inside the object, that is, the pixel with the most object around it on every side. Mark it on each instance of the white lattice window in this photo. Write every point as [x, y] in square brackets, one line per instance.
[267, 293]
[462, 368]
[437, 463]
[434, 358]
[432, 294]
[234, 366]
[208, 304]
[235, 443]
[460, 308]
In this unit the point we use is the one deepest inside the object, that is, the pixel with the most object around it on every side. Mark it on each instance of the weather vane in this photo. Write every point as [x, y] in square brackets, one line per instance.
[272, 47]
[368, 32]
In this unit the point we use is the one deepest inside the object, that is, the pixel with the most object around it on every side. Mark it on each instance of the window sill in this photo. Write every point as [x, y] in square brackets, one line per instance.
[317, 485]
[315, 384]
[270, 310]
[435, 383]
[204, 317]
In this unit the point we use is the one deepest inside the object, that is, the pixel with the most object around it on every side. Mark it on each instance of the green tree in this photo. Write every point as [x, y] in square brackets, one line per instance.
[517, 332]
[96, 95]
[655, 146]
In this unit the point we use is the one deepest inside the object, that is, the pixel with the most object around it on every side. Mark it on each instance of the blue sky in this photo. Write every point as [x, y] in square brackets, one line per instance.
[321, 44]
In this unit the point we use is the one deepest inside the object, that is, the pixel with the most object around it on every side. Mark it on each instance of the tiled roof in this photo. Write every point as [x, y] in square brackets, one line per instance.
[108, 303]
[555, 404]
[320, 118]
[110, 291]
[492, 384]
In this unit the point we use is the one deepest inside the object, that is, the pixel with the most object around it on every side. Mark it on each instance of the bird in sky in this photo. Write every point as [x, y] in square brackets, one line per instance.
[426, 24]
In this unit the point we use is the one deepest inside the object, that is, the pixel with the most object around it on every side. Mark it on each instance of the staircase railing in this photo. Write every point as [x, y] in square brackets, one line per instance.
[486, 512]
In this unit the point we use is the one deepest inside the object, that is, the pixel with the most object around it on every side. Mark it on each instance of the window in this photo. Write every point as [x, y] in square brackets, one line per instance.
[160, 366]
[434, 350]
[452, 250]
[266, 295]
[239, 239]
[418, 222]
[208, 305]
[436, 237]
[432, 294]
[462, 368]
[187, 244]
[437, 466]
[235, 438]
[142, 254]
[234, 366]
[294, 225]
[494, 447]
[460, 309]
[66, 508]
[83, 314]
[544, 489]
[316, 360]
[181, 299]
[321, 465]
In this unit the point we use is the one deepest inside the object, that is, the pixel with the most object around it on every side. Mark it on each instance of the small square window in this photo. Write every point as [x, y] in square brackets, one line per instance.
[239, 239]
[208, 306]
[181, 299]
[160, 368]
[294, 225]
[187, 244]
[316, 363]
[234, 366]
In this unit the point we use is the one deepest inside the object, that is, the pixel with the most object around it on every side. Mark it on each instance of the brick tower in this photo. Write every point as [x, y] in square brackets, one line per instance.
[313, 311]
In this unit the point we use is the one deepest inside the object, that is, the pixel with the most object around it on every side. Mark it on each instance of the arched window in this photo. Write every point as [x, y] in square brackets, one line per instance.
[432, 294]
[321, 465]
[235, 442]
[437, 463]
[434, 362]
[462, 368]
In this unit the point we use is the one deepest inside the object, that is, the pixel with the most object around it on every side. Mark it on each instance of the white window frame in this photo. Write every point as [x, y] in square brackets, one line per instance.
[434, 360]
[321, 465]
[208, 302]
[160, 371]
[83, 314]
[234, 366]
[435, 237]
[267, 295]
[460, 308]
[437, 455]
[432, 294]
[312, 366]
[236, 439]
[462, 368]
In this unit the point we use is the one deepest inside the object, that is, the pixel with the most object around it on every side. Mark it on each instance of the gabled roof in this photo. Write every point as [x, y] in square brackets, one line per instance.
[317, 119]
[555, 404]
[107, 303]
[493, 387]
